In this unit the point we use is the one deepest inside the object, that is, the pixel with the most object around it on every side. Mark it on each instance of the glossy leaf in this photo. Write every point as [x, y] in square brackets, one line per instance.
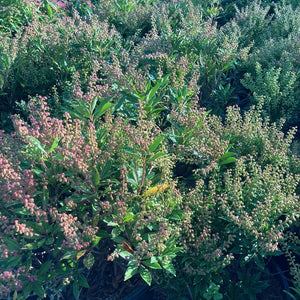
[145, 274]
[169, 267]
[131, 270]
[152, 263]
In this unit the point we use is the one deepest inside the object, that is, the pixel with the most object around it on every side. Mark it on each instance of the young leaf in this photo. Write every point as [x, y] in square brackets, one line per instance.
[145, 274]
[37, 144]
[155, 156]
[96, 241]
[54, 145]
[227, 161]
[101, 110]
[128, 217]
[15, 296]
[225, 155]
[155, 144]
[95, 177]
[48, 9]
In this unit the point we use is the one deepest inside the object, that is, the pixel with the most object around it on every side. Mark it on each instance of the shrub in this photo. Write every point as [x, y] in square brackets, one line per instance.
[48, 54]
[274, 90]
[67, 183]
[122, 161]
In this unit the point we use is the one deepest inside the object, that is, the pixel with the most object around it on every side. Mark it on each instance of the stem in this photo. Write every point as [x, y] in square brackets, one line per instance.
[144, 173]
[190, 292]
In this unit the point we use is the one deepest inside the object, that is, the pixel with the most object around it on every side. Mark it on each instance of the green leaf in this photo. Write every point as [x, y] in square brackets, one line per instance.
[76, 289]
[69, 255]
[93, 103]
[26, 290]
[103, 233]
[131, 270]
[225, 155]
[218, 296]
[82, 110]
[37, 144]
[176, 215]
[169, 267]
[49, 241]
[101, 110]
[35, 245]
[259, 262]
[116, 232]
[125, 254]
[96, 241]
[49, 10]
[102, 107]
[11, 244]
[106, 171]
[171, 251]
[83, 281]
[128, 217]
[95, 178]
[145, 274]
[227, 161]
[12, 261]
[155, 156]
[162, 82]
[153, 263]
[89, 260]
[44, 267]
[111, 223]
[54, 145]
[38, 289]
[155, 144]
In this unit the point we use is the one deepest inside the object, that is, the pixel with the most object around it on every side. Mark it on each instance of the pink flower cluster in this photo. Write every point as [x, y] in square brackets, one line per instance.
[9, 280]
[64, 4]
[76, 234]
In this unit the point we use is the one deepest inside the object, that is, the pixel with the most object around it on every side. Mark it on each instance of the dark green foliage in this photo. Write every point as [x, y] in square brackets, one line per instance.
[149, 134]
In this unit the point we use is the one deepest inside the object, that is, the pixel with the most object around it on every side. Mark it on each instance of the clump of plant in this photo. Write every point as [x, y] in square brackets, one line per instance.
[49, 54]
[238, 205]
[69, 182]
[272, 66]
